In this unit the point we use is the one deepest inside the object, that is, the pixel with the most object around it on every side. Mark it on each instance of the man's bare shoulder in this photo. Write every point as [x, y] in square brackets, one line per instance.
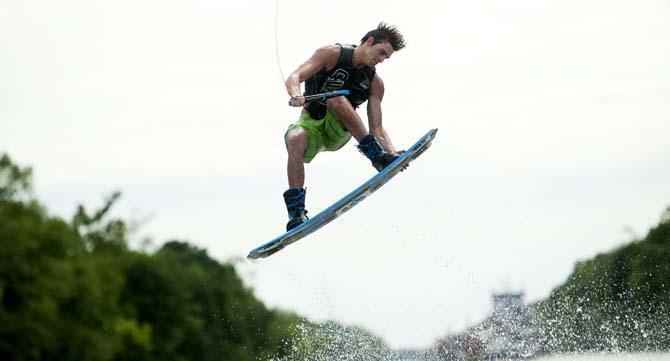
[330, 49]
[328, 55]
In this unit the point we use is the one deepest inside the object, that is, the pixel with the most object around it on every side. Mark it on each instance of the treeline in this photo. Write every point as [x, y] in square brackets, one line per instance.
[73, 290]
[617, 301]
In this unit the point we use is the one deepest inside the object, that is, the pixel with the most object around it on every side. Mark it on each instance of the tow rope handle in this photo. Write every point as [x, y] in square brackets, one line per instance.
[324, 96]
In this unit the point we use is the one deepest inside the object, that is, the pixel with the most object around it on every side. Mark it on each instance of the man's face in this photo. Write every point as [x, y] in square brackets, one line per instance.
[376, 54]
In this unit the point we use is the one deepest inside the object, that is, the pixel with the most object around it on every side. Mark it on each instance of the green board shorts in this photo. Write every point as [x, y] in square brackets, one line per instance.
[323, 135]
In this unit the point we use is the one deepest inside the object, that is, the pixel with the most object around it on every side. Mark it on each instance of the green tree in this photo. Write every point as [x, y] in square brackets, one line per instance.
[200, 310]
[15, 182]
[76, 291]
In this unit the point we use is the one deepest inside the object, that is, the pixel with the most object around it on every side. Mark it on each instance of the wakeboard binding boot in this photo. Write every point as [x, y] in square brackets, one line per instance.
[374, 152]
[295, 205]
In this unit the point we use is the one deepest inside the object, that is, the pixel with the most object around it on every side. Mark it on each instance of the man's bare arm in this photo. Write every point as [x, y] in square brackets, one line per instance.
[323, 58]
[375, 115]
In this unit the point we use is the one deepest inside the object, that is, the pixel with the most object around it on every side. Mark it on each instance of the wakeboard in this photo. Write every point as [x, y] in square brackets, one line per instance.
[347, 202]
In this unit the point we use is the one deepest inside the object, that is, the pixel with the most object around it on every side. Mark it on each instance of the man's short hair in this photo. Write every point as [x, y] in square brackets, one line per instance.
[386, 33]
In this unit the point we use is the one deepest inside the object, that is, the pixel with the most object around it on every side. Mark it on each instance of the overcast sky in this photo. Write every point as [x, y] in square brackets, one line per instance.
[554, 121]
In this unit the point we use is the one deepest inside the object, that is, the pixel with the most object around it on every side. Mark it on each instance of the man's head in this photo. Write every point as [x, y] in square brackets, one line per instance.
[380, 43]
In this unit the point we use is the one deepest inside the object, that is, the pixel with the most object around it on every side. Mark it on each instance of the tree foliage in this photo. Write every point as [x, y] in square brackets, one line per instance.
[75, 291]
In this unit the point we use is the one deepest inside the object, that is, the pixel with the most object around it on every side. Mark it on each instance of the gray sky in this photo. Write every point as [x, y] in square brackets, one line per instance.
[554, 119]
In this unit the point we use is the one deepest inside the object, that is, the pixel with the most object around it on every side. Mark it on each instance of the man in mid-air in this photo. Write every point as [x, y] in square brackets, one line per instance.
[328, 125]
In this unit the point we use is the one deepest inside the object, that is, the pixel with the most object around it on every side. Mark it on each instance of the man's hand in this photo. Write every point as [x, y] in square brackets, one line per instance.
[297, 101]
[398, 153]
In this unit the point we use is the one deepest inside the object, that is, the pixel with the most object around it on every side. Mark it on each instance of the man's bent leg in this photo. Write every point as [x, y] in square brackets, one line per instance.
[346, 115]
[348, 118]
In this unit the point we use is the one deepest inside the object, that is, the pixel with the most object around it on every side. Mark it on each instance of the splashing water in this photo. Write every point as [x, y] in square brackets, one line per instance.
[331, 341]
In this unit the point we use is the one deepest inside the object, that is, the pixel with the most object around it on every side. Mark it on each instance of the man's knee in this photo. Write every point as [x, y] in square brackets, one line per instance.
[338, 104]
[296, 140]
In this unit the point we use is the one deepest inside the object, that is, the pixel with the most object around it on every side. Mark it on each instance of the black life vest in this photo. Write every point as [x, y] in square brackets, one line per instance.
[342, 77]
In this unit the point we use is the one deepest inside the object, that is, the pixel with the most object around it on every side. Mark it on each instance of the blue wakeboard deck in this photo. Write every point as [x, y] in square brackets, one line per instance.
[347, 202]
